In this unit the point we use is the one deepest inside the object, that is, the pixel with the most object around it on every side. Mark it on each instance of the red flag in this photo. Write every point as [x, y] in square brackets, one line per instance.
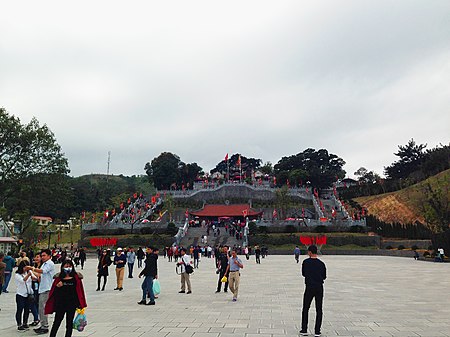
[275, 213]
[245, 212]
[186, 214]
[226, 157]
[153, 200]
[303, 212]
[239, 161]
[121, 205]
[135, 195]
[129, 200]
[83, 215]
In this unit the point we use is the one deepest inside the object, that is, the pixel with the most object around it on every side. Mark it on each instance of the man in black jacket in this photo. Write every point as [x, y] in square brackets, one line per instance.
[150, 272]
[314, 272]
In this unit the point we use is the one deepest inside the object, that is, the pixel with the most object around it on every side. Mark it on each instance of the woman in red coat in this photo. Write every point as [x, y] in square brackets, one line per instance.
[66, 295]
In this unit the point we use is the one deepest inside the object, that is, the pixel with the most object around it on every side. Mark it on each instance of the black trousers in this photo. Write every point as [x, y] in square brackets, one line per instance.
[59, 316]
[317, 294]
[23, 308]
[219, 283]
[99, 279]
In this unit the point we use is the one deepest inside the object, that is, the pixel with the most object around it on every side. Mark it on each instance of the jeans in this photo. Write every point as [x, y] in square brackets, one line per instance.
[147, 288]
[130, 269]
[34, 307]
[59, 316]
[310, 293]
[139, 263]
[6, 282]
[23, 306]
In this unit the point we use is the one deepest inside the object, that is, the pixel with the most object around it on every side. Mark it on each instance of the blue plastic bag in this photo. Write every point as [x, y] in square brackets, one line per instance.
[80, 320]
[156, 287]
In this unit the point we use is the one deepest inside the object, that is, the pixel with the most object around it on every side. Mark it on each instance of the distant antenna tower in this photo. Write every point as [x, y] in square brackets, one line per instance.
[109, 161]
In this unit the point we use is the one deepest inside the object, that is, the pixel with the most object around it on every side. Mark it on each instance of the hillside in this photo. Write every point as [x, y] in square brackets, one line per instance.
[404, 206]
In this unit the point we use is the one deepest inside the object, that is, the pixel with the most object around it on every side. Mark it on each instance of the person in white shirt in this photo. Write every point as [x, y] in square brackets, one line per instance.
[185, 277]
[47, 271]
[24, 290]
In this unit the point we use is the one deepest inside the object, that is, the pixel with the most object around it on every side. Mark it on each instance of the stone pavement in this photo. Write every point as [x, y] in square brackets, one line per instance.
[364, 296]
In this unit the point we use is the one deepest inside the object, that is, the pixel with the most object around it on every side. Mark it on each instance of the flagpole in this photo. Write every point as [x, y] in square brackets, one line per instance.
[240, 169]
[228, 171]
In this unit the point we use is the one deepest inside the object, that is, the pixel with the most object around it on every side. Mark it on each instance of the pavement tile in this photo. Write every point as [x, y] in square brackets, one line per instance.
[364, 296]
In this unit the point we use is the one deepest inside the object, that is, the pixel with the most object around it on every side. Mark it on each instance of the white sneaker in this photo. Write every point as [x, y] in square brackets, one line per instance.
[303, 333]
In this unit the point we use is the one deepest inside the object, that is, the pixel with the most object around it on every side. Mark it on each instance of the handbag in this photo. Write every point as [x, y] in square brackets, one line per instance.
[30, 293]
[156, 287]
[189, 269]
[80, 321]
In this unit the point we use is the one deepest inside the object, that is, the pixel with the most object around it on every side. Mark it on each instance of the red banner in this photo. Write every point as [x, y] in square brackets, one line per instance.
[100, 242]
[311, 240]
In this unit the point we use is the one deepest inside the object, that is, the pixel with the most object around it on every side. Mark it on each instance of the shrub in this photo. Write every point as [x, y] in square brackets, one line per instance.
[401, 247]
[321, 229]
[290, 229]
[430, 248]
[389, 247]
[263, 229]
[356, 229]
[414, 247]
[426, 254]
[253, 228]
[171, 229]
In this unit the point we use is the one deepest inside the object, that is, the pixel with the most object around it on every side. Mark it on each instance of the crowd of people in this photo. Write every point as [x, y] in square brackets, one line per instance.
[42, 291]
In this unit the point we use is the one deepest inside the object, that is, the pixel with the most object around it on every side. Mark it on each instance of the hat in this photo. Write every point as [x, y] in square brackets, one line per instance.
[119, 248]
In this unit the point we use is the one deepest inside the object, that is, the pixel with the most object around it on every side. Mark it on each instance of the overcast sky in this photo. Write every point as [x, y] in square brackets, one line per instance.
[204, 78]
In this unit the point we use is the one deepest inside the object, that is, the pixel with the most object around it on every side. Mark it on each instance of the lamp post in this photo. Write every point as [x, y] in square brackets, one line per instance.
[49, 232]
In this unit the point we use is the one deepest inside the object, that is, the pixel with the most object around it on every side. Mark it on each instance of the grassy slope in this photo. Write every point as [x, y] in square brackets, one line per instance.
[401, 206]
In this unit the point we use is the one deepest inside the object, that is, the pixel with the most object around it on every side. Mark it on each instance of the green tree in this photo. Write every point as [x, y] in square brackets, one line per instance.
[267, 168]
[321, 168]
[247, 165]
[167, 169]
[28, 153]
[411, 156]
[282, 201]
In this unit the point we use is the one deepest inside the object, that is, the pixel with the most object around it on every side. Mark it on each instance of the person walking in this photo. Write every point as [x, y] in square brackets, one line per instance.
[297, 253]
[119, 261]
[2, 271]
[10, 264]
[222, 266]
[196, 255]
[185, 260]
[131, 258]
[234, 267]
[314, 271]
[66, 295]
[258, 254]
[140, 256]
[46, 273]
[103, 269]
[150, 273]
[83, 258]
[23, 283]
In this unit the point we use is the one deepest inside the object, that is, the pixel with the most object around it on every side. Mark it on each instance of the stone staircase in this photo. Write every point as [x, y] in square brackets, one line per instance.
[194, 238]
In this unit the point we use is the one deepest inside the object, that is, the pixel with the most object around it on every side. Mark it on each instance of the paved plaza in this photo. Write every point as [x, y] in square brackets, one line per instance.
[364, 296]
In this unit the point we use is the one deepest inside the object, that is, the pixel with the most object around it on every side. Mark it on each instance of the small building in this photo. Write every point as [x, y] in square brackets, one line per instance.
[7, 241]
[42, 220]
[236, 212]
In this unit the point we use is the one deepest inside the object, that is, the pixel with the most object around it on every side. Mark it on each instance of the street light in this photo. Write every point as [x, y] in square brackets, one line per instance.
[49, 232]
